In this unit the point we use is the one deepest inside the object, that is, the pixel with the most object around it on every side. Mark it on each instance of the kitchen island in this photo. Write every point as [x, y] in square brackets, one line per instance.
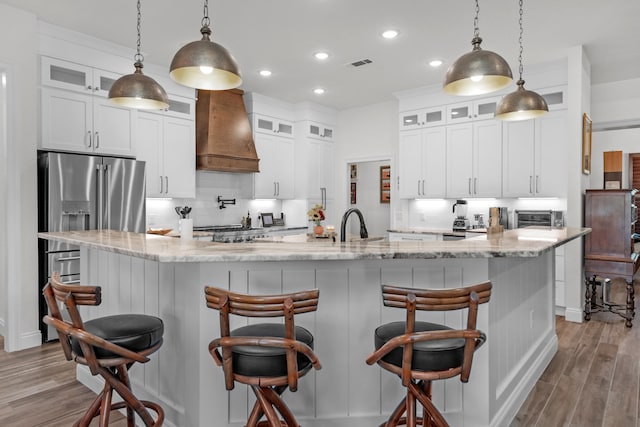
[165, 276]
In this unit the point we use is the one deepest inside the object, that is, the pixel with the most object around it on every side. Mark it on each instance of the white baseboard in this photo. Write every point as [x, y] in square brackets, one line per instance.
[573, 315]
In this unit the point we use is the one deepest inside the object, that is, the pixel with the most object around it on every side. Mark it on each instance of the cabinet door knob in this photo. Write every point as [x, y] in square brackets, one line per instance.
[89, 142]
[97, 139]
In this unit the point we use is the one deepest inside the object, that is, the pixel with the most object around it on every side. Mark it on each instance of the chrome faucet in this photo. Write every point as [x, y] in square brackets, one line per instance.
[363, 228]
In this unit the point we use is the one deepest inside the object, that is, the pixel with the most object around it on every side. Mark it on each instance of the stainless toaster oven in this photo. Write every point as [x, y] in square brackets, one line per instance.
[538, 218]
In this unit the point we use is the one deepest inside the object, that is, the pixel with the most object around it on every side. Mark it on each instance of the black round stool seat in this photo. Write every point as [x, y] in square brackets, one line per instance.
[135, 332]
[437, 355]
[254, 361]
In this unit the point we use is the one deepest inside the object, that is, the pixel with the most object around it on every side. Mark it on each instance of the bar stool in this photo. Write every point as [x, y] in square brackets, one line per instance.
[108, 346]
[419, 352]
[269, 357]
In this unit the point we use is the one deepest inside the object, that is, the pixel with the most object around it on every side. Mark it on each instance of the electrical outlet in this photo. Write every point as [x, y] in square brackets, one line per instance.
[422, 218]
[531, 319]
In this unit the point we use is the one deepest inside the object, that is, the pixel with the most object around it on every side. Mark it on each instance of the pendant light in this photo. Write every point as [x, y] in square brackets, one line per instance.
[137, 90]
[522, 104]
[477, 72]
[204, 64]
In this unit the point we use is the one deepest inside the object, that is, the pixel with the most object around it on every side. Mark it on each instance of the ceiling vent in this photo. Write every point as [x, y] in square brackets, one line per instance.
[360, 63]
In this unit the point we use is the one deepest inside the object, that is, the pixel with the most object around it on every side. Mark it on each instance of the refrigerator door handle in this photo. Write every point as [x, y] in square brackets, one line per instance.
[107, 181]
[100, 182]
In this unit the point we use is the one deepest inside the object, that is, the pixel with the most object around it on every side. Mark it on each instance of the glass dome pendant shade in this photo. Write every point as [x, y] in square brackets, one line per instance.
[137, 90]
[522, 104]
[477, 72]
[204, 64]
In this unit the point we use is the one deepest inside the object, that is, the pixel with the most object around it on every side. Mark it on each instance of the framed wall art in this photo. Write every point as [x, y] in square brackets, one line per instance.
[385, 184]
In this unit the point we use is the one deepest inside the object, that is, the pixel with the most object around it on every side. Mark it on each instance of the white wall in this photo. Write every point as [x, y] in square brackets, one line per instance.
[367, 133]
[614, 104]
[376, 214]
[18, 242]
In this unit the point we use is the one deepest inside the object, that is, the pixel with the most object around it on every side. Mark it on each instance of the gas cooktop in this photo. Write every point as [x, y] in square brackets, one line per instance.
[232, 233]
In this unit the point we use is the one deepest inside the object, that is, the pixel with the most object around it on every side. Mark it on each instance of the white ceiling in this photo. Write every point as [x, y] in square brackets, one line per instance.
[282, 35]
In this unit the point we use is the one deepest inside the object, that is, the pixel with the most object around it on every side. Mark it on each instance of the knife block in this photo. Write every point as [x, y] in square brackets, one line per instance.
[494, 222]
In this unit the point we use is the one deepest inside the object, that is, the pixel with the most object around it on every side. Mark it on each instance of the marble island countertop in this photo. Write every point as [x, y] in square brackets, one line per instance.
[523, 242]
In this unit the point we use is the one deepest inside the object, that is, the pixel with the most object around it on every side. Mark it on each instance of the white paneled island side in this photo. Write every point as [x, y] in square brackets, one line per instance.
[165, 276]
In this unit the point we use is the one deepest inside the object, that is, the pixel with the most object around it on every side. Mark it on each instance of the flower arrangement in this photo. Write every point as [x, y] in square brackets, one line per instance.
[316, 214]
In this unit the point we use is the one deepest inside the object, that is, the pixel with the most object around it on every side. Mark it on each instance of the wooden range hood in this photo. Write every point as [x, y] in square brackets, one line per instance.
[224, 141]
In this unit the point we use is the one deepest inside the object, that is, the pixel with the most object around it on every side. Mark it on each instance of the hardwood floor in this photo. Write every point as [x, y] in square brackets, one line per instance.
[38, 389]
[593, 381]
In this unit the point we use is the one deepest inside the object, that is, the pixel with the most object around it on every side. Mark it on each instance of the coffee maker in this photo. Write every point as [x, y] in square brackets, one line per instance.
[460, 210]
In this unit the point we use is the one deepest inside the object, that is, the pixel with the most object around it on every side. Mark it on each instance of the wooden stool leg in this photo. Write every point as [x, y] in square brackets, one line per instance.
[105, 407]
[426, 419]
[129, 398]
[411, 409]
[396, 415]
[630, 304]
[432, 411]
[267, 408]
[587, 299]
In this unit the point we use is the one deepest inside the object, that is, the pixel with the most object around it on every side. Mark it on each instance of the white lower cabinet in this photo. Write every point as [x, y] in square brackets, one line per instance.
[78, 122]
[276, 176]
[167, 145]
[422, 161]
[474, 159]
[535, 157]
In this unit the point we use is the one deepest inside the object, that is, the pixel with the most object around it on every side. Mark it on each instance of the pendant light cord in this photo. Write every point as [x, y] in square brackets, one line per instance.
[520, 68]
[476, 31]
[139, 58]
[205, 20]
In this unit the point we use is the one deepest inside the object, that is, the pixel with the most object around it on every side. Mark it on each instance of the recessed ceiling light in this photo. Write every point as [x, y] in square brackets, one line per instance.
[321, 55]
[265, 73]
[318, 91]
[435, 63]
[390, 34]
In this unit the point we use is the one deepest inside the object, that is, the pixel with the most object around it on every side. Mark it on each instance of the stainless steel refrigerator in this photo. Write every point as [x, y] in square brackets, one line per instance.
[83, 192]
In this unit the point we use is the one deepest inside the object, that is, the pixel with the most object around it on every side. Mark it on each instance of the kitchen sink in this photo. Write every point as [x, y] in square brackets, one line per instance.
[369, 239]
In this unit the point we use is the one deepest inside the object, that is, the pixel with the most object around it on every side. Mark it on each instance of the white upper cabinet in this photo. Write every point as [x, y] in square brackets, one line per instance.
[535, 157]
[270, 125]
[474, 160]
[167, 145]
[422, 163]
[319, 131]
[276, 177]
[480, 109]
[556, 97]
[77, 122]
[314, 161]
[76, 77]
[77, 116]
[425, 117]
